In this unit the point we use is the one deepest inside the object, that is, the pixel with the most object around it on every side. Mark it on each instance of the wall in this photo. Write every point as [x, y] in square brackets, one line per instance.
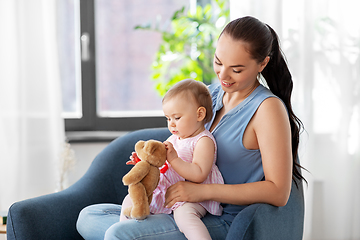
[85, 154]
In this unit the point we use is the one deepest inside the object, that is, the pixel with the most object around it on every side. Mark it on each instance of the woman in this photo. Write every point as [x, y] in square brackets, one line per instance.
[257, 135]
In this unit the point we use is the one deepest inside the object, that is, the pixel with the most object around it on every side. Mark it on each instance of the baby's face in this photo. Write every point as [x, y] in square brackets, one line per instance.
[182, 116]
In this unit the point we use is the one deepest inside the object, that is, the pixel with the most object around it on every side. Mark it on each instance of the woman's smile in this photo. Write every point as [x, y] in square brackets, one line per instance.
[226, 84]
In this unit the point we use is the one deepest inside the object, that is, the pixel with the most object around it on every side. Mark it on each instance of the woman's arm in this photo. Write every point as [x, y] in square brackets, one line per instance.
[273, 133]
[203, 158]
[271, 128]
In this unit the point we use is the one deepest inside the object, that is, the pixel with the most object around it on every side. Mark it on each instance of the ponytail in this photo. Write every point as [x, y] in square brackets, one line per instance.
[279, 80]
[263, 42]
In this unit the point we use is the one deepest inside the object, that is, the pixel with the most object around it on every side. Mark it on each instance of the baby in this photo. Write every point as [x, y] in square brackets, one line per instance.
[191, 154]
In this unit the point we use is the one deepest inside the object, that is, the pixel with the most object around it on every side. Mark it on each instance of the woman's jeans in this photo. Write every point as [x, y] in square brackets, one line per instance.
[101, 221]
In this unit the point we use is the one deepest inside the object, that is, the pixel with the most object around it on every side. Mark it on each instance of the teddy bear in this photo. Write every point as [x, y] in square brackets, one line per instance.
[144, 177]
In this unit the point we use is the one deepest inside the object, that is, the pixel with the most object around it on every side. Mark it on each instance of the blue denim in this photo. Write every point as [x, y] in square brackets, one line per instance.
[101, 221]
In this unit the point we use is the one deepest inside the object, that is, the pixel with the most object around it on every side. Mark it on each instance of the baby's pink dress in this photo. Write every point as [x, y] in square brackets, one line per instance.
[185, 149]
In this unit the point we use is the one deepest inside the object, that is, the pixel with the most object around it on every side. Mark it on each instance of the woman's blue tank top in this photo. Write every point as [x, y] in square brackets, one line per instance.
[236, 163]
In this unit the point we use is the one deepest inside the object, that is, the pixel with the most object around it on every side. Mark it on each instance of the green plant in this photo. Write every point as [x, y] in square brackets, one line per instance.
[187, 49]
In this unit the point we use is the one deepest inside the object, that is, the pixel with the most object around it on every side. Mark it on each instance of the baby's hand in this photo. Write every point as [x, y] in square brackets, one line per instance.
[133, 159]
[171, 153]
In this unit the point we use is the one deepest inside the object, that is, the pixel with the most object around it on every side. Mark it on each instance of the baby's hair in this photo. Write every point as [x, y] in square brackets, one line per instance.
[197, 91]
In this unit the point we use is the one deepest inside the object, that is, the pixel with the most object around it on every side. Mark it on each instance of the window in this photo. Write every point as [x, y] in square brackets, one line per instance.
[106, 64]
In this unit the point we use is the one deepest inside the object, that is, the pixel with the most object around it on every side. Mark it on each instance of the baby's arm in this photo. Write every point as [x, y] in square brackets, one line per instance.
[203, 158]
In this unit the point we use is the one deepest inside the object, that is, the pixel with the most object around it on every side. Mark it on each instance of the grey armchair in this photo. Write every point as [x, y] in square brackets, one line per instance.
[53, 216]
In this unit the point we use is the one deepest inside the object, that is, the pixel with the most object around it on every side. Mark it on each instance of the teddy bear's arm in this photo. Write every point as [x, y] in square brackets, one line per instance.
[151, 180]
[137, 173]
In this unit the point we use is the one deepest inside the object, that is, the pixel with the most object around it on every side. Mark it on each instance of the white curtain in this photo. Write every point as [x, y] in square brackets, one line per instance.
[321, 40]
[31, 127]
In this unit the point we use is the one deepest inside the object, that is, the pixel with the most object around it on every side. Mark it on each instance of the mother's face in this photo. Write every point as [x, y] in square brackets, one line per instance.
[234, 66]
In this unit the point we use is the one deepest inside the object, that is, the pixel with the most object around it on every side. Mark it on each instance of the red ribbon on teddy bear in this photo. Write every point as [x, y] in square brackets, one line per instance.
[135, 159]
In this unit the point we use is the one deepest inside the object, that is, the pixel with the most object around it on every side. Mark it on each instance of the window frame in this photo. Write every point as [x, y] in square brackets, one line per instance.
[90, 121]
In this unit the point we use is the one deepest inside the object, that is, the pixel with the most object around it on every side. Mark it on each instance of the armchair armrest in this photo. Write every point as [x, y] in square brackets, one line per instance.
[51, 216]
[264, 221]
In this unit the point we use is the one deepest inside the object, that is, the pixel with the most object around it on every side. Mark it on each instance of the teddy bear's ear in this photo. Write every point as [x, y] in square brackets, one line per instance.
[150, 147]
[140, 144]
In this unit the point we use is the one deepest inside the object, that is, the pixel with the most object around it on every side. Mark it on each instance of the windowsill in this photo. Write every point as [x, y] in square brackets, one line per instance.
[93, 136]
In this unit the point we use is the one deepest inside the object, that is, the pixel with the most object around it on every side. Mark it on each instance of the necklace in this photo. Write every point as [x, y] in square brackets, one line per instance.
[229, 104]
[252, 89]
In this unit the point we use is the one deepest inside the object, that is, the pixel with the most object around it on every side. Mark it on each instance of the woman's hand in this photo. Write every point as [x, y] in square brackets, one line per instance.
[185, 192]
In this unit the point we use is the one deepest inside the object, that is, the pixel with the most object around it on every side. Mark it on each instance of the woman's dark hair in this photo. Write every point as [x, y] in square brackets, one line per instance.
[262, 42]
